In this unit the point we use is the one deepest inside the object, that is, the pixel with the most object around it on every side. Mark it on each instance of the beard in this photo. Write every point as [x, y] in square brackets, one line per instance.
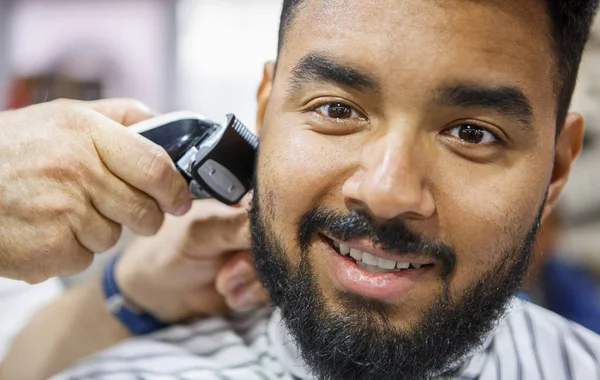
[362, 342]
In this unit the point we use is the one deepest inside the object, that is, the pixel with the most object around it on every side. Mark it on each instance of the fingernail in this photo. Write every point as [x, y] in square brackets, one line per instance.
[184, 209]
[237, 276]
[247, 201]
[244, 300]
[232, 285]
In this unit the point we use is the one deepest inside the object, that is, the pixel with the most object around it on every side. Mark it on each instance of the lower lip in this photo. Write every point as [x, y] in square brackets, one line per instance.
[385, 286]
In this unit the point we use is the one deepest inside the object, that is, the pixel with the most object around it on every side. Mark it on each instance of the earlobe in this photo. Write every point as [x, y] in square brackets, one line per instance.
[568, 147]
[264, 93]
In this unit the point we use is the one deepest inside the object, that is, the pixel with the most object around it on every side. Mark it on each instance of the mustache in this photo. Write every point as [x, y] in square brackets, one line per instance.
[391, 235]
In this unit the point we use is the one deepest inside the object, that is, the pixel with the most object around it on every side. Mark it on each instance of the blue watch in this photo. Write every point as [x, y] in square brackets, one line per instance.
[138, 322]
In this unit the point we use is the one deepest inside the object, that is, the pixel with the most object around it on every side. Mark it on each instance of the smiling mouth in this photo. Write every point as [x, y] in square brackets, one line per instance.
[372, 264]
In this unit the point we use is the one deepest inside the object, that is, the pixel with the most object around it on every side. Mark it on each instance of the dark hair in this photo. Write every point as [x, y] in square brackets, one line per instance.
[571, 23]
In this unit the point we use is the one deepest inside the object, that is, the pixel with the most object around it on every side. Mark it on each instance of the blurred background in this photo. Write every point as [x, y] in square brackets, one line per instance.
[207, 56]
[162, 52]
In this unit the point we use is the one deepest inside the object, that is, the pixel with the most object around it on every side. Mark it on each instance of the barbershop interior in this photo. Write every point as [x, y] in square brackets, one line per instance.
[161, 52]
[207, 56]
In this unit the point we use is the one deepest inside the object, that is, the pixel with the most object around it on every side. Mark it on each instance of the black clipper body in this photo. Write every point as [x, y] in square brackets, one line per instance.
[217, 161]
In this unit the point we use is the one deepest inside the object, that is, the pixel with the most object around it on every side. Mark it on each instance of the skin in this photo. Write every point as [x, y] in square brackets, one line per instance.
[400, 162]
[399, 155]
[71, 177]
[196, 265]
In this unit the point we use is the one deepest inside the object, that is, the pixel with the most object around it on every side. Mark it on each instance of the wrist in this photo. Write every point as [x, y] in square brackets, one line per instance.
[129, 286]
[134, 318]
[113, 329]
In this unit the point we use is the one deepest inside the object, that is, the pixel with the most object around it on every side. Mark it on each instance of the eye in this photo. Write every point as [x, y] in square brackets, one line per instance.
[338, 111]
[473, 134]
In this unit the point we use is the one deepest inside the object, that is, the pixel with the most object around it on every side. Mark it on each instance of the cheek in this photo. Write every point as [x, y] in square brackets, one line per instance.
[486, 216]
[299, 170]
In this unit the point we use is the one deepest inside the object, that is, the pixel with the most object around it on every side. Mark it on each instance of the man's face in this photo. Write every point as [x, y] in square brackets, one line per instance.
[412, 132]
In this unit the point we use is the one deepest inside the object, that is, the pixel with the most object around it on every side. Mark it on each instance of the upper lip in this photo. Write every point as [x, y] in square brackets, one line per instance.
[365, 245]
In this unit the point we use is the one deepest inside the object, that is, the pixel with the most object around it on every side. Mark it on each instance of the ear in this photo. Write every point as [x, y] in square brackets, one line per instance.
[568, 147]
[264, 93]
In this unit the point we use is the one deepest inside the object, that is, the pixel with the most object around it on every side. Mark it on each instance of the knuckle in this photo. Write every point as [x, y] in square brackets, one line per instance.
[66, 113]
[57, 166]
[55, 256]
[33, 272]
[76, 263]
[157, 166]
[132, 103]
[57, 243]
[63, 102]
[68, 169]
[115, 235]
[63, 209]
[145, 216]
[79, 263]
[111, 238]
[35, 278]
[68, 164]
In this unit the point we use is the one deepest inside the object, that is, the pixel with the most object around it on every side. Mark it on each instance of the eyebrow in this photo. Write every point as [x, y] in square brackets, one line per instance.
[320, 68]
[504, 100]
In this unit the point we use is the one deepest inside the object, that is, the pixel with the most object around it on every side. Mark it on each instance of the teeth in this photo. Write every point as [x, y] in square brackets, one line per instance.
[344, 250]
[371, 268]
[386, 264]
[371, 263]
[356, 254]
[369, 259]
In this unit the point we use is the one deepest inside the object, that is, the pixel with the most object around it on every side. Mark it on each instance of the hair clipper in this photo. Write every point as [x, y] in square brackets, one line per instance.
[216, 160]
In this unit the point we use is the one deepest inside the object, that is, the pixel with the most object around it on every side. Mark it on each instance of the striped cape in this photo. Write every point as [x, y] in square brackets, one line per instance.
[530, 343]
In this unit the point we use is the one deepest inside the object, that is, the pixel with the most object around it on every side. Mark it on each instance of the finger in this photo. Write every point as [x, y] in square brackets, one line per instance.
[246, 202]
[215, 234]
[42, 253]
[122, 110]
[81, 259]
[142, 164]
[62, 255]
[95, 232]
[247, 297]
[128, 155]
[206, 303]
[239, 270]
[126, 205]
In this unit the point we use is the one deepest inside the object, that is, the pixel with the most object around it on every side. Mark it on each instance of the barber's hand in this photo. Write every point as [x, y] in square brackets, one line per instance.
[196, 265]
[71, 175]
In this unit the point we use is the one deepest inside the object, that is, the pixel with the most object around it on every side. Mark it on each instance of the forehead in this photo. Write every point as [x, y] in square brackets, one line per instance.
[414, 43]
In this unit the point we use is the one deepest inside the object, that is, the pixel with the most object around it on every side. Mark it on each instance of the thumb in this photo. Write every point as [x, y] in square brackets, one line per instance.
[239, 270]
[122, 110]
[239, 283]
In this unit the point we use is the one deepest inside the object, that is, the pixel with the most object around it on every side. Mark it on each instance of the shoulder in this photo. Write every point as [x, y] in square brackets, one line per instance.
[203, 348]
[534, 343]
[552, 330]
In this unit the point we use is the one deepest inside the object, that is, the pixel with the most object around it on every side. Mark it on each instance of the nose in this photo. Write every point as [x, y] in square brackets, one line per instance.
[391, 181]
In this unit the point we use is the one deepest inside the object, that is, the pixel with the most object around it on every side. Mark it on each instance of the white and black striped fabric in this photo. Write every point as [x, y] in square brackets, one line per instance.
[530, 343]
